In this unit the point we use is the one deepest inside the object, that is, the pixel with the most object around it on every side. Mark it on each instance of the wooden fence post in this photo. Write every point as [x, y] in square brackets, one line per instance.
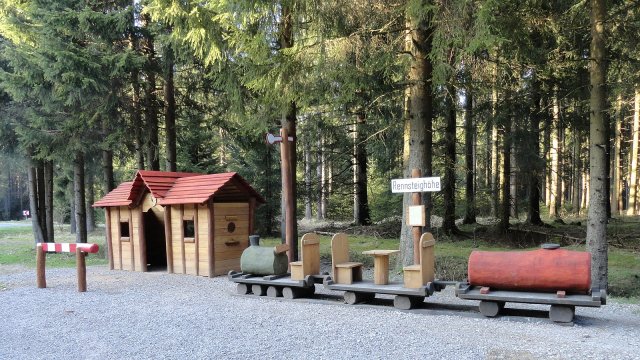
[40, 267]
[81, 270]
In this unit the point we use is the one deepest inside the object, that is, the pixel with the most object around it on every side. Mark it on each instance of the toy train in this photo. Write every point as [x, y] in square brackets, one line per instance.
[553, 276]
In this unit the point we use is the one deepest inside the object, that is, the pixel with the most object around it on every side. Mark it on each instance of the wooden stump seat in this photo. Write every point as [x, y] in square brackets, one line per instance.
[310, 260]
[417, 276]
[344, 271]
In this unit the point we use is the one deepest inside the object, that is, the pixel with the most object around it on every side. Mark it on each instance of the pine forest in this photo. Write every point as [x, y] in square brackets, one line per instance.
[528, 111]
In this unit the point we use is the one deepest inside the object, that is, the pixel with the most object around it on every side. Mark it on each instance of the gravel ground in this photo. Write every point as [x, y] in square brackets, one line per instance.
[156, 315]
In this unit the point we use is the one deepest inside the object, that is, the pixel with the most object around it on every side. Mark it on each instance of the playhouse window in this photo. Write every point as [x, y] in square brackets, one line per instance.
[124, 230]
[189, 229]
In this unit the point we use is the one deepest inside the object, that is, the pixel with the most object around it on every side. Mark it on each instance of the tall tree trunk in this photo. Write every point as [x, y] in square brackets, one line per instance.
[289, 120]
[575, 191]
[134, 44]
[536, 163]
[616, 198]
[495, 156]
[79, 198]
[505, 206]
[555, 185]
[42, 205]
[169, 109]
[361, 215]
[418, 123]
[547, 156]
[307, 179]
[151, 101]
[597, 215]
[633, 157]
[584, 202]
[137, 121]
[321, 178]
[72, 206]
[39, 233]
[48, 200]
[513, 184]
[9, 196]
[469, 146]
[91, 218]
[107, 170]
[449, 190]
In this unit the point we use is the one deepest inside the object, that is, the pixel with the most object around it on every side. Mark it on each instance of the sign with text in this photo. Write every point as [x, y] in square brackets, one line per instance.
[415, 185]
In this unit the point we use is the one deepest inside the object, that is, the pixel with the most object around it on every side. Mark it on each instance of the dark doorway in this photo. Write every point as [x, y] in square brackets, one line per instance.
[155, 242]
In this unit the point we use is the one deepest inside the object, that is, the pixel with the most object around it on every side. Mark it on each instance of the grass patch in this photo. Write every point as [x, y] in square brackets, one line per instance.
[17, 247]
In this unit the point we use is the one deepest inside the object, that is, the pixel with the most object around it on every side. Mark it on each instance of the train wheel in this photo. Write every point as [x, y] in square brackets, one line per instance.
[290, 293]
[258, 290]
[350, 297]
[490, 308]
[404, 302]
[562, 313]
[274, 291]
[242, 289]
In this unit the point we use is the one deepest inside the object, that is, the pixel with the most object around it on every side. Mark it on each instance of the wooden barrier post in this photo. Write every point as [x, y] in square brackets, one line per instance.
[40, 267]
[81, 251]
[81, 270]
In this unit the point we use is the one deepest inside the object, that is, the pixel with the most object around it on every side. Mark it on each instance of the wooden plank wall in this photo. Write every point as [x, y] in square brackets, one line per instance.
[203, 240]
[194, 253]
[227, 255]
[176, 238]
[115, 237]
[125, 246]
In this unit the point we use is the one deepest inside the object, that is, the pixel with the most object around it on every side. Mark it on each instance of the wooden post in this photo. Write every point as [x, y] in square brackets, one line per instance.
[196, 237]
[142, 241]
[211, 239]
[168, 238]
[131, 237]
[81, 270]
[288, 196]
[107, 222]
[416, 231]
[119, 238]
[40, 267]
[184, 257]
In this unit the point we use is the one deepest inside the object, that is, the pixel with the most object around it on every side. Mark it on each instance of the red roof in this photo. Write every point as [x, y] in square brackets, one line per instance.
[117, 197]
[158, 182]
[180, 188]
[199, 189]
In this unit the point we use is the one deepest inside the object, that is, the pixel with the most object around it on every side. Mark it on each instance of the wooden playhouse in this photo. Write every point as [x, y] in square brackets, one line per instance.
[189, 223]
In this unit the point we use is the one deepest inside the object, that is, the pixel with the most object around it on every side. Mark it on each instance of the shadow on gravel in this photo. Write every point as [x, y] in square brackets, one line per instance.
[461, 310]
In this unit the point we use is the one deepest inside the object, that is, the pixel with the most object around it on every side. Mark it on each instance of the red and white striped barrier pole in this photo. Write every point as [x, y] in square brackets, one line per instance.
[81, 251]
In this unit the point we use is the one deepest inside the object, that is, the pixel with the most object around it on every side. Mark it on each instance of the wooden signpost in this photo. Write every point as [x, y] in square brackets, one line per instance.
[287, 191]
[416, 213]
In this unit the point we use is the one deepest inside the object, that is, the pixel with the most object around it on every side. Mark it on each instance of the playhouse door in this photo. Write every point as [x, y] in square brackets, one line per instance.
[231, 235]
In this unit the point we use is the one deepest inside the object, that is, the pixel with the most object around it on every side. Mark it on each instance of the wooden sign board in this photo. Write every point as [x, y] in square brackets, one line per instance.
[415, 185]
[416, 215]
